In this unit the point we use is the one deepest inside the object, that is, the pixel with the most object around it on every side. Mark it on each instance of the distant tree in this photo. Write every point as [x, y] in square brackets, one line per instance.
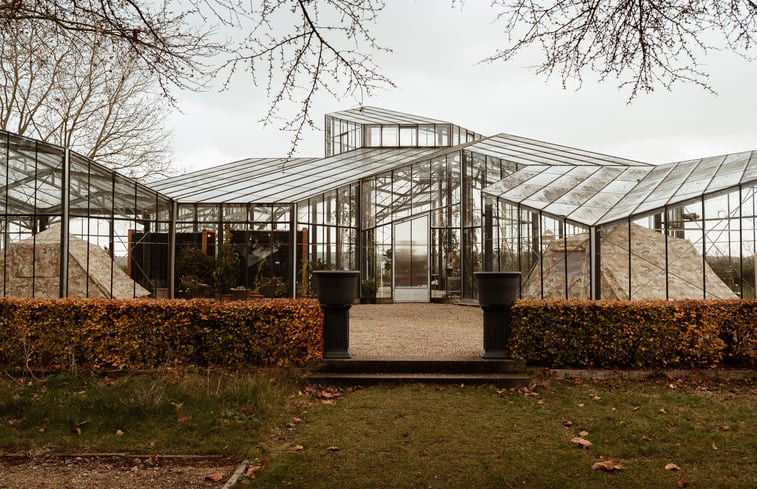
[87, 96]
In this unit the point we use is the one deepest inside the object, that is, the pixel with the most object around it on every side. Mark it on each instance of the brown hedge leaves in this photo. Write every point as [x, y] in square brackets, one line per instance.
[129, 334]
[641, 334]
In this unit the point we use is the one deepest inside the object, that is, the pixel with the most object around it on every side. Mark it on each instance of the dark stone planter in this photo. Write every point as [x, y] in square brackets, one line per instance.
[497, 292]
[337, 290]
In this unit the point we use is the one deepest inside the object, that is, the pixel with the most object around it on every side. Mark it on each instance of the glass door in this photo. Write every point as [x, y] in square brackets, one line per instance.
[411, 271]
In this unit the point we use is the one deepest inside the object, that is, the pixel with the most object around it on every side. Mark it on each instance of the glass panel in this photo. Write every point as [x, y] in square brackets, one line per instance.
[722, 242]
[383, 198]
[419, 252]
[426, 135]
[421, 192]
[372, 136]
[442, 135]
[409, 136]
[389, 136]
[403, 254]
[384, 257]
[402, 193]
[748, 265]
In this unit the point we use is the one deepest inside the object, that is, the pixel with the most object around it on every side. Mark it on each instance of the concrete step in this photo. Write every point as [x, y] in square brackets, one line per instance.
[500, 380]
[500, 372]
[440, 365]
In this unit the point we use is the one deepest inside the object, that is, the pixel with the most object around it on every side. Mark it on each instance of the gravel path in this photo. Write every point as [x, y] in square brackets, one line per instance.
[415, 331]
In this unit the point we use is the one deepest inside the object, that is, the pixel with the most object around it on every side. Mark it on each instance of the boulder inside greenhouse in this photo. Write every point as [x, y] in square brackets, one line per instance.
[33, 269]
[685, 266]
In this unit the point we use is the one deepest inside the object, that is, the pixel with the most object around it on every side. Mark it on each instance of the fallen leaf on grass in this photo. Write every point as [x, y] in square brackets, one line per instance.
[119, 433]
[76, 431]
[662, 411]
[296, 420]
[298, 448]
[714, 447]
[217, 477]
[580, 442]
[672, 467]
[636, 408]
[646, 438]
[580, 404]
[333, 448]
[595, 397]
[567, 423]
[725, 427]
[254, 470]
[606, 465]
[681, 483]
[540, 402]
[583, 434]
[182, 417]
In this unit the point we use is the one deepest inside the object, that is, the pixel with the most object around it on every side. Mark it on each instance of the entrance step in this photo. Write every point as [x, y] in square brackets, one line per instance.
[502, 373]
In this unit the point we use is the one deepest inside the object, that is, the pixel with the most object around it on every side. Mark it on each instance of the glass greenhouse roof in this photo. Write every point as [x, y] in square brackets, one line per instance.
[32, 181]
[601, 195]
[524, 151]
[377, 115]
[278, 180]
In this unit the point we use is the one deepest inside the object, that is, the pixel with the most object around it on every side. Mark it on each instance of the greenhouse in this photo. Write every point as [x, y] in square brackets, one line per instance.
[416, 204]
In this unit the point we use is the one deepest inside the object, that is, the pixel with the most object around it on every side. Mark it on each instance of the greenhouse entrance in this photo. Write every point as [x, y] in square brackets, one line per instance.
[411, 271]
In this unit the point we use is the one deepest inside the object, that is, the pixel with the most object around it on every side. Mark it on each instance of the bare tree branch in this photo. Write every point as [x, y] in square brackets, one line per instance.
[643, 44]
[324, 45]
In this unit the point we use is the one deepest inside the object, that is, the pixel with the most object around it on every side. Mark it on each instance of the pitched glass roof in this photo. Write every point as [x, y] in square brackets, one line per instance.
[526, 151]
[377, 115]
[278, 180]
[601, 195]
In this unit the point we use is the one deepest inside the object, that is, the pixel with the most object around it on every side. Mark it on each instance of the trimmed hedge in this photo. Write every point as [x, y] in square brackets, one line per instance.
[94, 333]
[640, 334]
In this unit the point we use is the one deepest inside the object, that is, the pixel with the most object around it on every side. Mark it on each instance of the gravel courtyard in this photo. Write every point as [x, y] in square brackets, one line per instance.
[415, 331]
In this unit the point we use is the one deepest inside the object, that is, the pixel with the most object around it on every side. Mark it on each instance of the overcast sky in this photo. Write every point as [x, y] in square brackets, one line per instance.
[434, 64]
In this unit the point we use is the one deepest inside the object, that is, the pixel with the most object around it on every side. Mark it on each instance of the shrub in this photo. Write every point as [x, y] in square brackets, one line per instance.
[65, 333]
[625, 334]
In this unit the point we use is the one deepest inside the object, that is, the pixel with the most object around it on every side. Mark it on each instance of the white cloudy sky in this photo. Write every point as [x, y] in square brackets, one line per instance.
[434, 64]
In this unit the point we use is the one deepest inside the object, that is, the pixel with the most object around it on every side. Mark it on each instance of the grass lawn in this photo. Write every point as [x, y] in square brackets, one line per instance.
[401, 436]
[428, 436]
[165, 413]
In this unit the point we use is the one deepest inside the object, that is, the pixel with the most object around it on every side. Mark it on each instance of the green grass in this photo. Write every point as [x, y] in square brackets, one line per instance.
[418, 436]
[157, 413]
[401, 436]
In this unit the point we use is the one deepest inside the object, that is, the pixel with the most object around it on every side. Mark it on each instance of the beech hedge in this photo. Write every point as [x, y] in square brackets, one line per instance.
[133, 334]
[635, 334]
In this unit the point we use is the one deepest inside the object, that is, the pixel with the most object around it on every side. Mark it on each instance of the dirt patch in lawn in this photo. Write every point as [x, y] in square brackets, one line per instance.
[113, 472]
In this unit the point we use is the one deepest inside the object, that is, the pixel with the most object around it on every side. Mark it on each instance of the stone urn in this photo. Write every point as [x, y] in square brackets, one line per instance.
[336, 290]
[497, 292]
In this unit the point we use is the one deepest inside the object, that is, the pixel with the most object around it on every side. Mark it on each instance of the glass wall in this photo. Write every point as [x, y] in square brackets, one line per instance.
[703, 248]
[343, 135]
[327, 234]
[74, 228]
